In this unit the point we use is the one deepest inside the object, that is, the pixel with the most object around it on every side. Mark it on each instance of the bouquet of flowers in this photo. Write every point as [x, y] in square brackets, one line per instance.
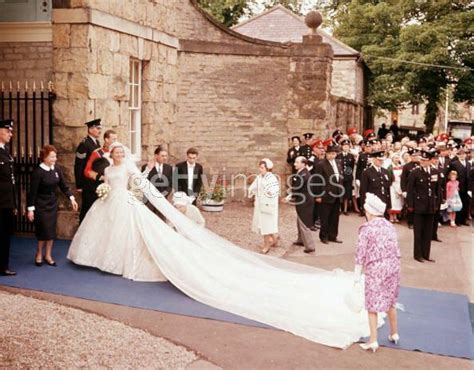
[102, 191]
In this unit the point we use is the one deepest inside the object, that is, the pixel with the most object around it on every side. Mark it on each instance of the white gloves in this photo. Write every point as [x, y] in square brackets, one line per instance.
[358, 183]
[357, 273]
[469, 193]
[404, 194]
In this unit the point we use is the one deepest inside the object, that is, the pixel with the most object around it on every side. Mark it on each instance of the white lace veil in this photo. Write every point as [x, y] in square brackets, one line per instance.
[129, 158]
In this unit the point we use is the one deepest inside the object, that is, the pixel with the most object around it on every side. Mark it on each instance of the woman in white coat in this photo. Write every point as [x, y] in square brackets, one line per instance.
[266, 190]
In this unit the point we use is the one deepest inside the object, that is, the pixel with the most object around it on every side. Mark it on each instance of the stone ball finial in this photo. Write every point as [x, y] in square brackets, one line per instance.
[313, 20]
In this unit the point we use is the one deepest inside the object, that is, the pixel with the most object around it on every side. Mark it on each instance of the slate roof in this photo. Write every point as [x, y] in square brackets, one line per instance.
[282, 25]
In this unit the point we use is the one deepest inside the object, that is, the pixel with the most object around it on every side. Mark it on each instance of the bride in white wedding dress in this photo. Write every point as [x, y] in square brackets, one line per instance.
[122, 236]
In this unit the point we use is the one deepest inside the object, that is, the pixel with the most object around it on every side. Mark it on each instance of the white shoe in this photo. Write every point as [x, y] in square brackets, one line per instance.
[374, 346]
[395, 338]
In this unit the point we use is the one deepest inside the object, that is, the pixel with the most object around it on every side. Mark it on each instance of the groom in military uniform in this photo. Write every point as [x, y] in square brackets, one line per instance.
[83, 152]
[7, 197]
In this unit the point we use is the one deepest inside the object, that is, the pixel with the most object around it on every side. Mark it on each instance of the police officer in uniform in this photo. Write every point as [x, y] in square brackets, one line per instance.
[362, 164]
[305, 150]
[407, 169]
[348, 162]
[83, 152]
[376, 180]
[423, 192]
[7, 197]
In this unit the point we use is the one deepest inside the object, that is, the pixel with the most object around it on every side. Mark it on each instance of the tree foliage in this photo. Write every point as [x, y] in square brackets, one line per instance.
[422, 31]
[436, 32]
[295, 6]
[228, 12]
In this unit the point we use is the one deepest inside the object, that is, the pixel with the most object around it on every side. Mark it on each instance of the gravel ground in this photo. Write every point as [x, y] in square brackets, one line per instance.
[235, 224]
[39, 334]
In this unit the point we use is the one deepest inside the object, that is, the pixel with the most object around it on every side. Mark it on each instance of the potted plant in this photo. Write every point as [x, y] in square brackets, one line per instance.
[213, 200]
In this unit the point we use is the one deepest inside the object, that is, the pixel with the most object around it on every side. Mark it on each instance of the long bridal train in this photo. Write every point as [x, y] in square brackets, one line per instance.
[303, 300]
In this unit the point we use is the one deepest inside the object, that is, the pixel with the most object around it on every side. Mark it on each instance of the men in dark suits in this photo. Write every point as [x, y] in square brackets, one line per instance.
[318, 155]
[188, 175]
[443, 159]
[159, 172]
[304, 201]
[423, 192]
[293, 152]
[407, 169]
[462, 166]
[347, 161]
[329, 191]
[83, 152]
[7, 197]
[376, 180]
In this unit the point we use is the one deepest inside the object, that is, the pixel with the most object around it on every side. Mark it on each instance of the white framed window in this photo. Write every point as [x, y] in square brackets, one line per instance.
[414, 109]
[135, 107]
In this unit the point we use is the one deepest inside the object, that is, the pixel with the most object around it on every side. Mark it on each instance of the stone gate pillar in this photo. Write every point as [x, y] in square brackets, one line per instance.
[309, 95]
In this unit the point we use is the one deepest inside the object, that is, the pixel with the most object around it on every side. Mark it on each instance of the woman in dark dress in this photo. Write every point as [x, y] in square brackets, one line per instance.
[43, 202]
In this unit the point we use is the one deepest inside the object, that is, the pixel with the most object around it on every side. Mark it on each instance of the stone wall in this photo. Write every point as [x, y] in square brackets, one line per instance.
[180, 18]
[346, 113]
[233, 109]
[26, 61]
[347, 79]
[243, 104]
[91, 74]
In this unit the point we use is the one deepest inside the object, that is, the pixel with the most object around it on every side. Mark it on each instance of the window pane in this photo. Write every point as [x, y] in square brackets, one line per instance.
[130, 77]
[130, 102]
[136, 74]
[136, 95]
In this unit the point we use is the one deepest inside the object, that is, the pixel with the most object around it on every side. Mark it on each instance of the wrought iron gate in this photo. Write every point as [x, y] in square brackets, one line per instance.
[31, 109]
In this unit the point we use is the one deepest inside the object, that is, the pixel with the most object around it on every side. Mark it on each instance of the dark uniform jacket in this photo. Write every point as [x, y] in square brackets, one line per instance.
[362, 164]
[326, 185]
[348, 162]
[377, 183]
[83, 152]
[42, 194]
[302, 196]
[407, 169]
[423, 191]
[442, 178]
[7, 180]
[306, 151]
